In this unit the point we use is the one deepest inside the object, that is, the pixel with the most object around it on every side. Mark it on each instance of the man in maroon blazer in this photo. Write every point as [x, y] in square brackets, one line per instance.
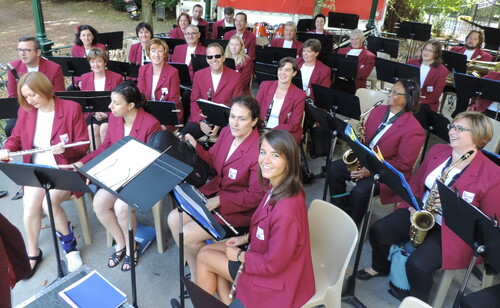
[30, 59]
[197, 20]
[472, 48]
[289, 41]
[240, 22]
[182, 53]
[216, 83]
[227, 21]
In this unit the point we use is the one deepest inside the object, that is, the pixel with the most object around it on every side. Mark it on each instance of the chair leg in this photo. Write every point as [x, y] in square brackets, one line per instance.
[443, 287]
[84, 219]
[157, 211]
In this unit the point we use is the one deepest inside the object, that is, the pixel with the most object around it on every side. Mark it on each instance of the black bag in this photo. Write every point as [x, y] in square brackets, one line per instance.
[184, 152]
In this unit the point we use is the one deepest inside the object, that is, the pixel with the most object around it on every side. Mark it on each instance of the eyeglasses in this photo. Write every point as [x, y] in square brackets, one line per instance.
[26, 50]
[214, 56]
[392, 92]
[458, 128]
[191, 33]
[95, 53]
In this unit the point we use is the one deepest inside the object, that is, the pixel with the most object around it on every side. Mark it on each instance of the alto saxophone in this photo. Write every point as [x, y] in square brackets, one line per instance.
[349, 158]
[423, 221]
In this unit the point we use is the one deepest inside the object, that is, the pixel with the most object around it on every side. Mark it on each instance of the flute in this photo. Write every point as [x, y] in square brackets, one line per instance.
[40, 150]
[233, 287]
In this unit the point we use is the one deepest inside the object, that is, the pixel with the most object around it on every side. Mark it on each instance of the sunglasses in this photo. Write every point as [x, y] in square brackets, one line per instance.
[458, 128]
[214, 56]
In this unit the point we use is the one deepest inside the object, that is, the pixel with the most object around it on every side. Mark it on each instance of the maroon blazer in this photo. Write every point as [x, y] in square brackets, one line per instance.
[69, 126]
[112, 80]
[366, 62]
[483, 104]
[278, 42]
[478, 54]
[176, 33]
[291, 113]
[229, 87]
[278, 265]
[481, 179]
[215, 28]
[237, 180]
[321, 74]
[169, 81]
[179, 55]
[246, 71]
[433, 85]
[135, 54]
[52, 70]
[78, 51]
[324, 32]
[248, 39]
[400, 145]
[144, 126]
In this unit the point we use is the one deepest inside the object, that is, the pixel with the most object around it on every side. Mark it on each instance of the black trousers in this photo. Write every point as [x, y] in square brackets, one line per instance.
[193, 129]
[359, 198]
[486, 298]
[421, 264]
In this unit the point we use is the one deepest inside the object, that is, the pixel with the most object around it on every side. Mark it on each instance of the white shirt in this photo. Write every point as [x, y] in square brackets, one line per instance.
[424, 71]
[354, 52]
[228, 24]
[189, 52]
[469, 53]
[33, 69]
[126, 129]
[231, 149]
[43, 134]
[306, 72]
[215, 80]
[194, 22]
[273, 120]
[287, 44]
[382, 132]
[99, 84]
[153, 86]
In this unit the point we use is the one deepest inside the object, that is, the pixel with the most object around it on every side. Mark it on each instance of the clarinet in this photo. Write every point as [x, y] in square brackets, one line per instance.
[233, 287]
[209, 94]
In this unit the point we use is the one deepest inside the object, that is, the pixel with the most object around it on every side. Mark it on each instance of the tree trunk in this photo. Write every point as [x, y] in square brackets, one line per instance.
[147, 11]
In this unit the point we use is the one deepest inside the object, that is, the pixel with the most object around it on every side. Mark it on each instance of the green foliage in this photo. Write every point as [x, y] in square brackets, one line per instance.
[169, 4]
[119, 5]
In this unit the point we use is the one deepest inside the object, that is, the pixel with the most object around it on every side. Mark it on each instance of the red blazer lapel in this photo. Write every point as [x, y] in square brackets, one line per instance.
[58, 119]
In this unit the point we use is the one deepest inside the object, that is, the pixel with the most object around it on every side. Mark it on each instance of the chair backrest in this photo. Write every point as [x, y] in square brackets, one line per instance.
[369, 97]
[333, 237]
[413, 302]
[494, 144]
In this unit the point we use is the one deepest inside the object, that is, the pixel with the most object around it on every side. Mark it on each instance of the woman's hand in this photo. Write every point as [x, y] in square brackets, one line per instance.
[205, 128]
[214, 131]
[360, 174]
[213, 203]
[412, 212]
[232, 254]
[237, 241]
[190, 139]
[58, 148]
[71, 166]
[4, 155]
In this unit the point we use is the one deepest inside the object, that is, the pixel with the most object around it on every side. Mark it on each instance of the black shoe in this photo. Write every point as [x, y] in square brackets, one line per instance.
[398, 293]
[364, 275]
[38, 260]
[3, 193]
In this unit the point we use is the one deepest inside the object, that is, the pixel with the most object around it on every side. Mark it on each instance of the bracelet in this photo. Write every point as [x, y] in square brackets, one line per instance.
[238, 255]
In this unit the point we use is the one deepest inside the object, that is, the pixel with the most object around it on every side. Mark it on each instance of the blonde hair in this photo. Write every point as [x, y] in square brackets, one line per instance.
[38, 83]
[241, 56]
[160, 42]
[481, 129]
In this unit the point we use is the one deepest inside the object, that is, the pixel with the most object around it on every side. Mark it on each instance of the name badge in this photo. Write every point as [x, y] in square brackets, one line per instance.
[468, 196]
[260, 233]
[64, 138]
[362, 66]
[232, 173]
[430, 89]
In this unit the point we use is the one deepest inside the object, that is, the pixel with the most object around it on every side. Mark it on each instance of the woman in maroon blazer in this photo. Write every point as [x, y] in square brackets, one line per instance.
[127, 118]
[183, 21]
[394, 131]
[432, 73]
[278, 269]
[281, 102]
[99, 79]
[137, 53]
[158, 80]
[235, 191]
[312, 69]
[477, 180]
[45, 120]
[85, 39]
[244, 65]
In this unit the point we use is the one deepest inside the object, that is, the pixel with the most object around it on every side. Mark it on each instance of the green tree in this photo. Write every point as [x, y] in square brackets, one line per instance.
[147, 11]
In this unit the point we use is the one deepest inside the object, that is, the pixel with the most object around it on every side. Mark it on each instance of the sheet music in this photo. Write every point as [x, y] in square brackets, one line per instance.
[124, 164]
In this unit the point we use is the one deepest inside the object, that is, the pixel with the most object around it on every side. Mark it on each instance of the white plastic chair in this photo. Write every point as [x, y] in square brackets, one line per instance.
[333, 237]
[369, 97]
[413, 302]
[494, 144]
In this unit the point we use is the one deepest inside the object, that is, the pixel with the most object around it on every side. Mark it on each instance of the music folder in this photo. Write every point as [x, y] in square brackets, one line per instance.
[135, 173]
[217, 114]
[391, 71]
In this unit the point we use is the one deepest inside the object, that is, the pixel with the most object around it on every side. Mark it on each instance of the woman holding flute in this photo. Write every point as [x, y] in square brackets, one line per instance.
[277, 267]
[235, 191]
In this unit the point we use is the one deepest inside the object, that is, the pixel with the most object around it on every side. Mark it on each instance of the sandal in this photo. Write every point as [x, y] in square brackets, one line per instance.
[126, 262]
[116, 257]
[38, 260]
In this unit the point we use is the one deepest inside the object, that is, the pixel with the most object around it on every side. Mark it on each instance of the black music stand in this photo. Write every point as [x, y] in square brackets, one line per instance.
[172, 42]
[475, 228]
[221, 30]
[434, 123]
[468, 86]
[203, 31]
[154, 181]
[414, 31]
[47, 178]
[165, 112]
[305, 24]
[91, 101]
[342, 65]
[272, 55]
[389, 46]
[200, 62]
[342, 21]
[216, 114]
[325, 39]
[202, 299]
[112, 40]
[391, 71]
[130, 70]
[9, 109]
[455, 62]
[72, 67]
[207, 41]
[492, 39]
[184, 76]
